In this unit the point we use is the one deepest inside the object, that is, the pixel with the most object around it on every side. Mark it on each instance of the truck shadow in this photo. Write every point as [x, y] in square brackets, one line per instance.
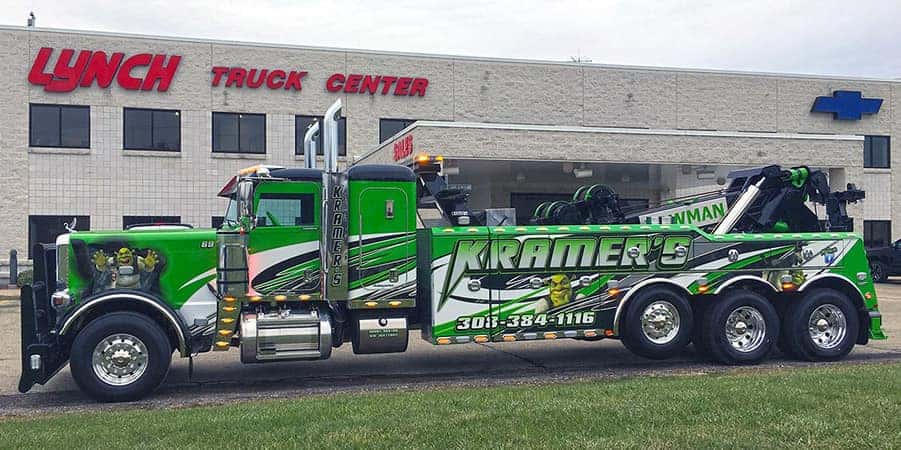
[212, 385]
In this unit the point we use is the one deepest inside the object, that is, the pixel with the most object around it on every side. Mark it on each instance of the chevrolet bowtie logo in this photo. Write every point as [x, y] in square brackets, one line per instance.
[847, 105]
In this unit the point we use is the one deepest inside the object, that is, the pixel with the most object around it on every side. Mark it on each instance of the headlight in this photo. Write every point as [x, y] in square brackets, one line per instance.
[60, 299]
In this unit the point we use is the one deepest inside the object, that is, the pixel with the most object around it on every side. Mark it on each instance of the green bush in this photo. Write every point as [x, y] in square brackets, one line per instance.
[25, 277]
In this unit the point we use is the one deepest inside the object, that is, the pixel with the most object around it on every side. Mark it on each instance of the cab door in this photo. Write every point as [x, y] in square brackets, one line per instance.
[385, 257]
[283, 248]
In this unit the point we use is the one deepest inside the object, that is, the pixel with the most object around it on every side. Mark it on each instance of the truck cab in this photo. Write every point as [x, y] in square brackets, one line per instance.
[273, 254]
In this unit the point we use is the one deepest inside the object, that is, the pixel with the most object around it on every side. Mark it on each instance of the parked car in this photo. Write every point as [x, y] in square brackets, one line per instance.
[885, 261]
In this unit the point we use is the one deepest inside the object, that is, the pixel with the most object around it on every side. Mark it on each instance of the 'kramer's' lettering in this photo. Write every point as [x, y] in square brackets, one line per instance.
[471, 256]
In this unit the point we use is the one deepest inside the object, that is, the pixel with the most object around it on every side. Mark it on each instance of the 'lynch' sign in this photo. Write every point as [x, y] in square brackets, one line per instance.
[146, 71]
[91, 67]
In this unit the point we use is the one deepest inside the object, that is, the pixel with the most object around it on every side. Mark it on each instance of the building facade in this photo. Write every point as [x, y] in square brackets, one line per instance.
[116, 129]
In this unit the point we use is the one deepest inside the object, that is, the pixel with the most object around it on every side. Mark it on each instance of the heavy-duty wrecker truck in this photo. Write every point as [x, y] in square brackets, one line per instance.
[310, 259]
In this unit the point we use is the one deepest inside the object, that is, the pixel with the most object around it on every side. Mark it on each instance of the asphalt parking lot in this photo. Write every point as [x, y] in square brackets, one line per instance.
[220, 377]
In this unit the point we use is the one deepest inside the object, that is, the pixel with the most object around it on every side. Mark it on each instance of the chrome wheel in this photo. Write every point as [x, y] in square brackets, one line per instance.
[120, 359]
[827, 326]
[660, 322]
[745, 329]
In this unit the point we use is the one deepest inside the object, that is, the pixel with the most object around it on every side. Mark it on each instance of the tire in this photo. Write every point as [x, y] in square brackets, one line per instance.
[657, 323]
[129, 376]
[813, 329]
[741, 327]
[879, 271]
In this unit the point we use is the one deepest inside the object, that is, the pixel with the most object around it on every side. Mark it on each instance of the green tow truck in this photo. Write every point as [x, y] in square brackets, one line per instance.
[308, 260]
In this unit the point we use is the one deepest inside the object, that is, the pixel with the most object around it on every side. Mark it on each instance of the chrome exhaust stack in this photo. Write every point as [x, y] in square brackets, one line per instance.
[310, 139]
[333, 244]
[330, 138]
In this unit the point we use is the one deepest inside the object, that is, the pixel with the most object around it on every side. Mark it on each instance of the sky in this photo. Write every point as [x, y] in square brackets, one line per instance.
[829, 37]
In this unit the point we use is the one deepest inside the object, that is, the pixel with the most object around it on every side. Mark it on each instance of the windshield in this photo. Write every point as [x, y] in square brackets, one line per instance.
[231, 212]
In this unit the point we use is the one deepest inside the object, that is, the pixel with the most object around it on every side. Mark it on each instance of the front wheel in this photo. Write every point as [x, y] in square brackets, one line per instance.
[821, 326]
[879, 271]
[657, 323]
[121, 356]
[740, 328]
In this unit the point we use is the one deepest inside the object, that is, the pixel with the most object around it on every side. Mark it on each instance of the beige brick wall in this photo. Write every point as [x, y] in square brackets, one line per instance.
[614, 146]
[13, 140]
[107, 182]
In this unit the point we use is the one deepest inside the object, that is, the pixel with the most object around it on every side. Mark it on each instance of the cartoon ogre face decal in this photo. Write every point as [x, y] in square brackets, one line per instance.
[560, 290]
[559, 293]
[124, 256]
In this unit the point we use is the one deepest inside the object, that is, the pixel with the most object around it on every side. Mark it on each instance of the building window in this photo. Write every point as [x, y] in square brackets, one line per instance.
[217, 221]
[45, 229]
[877, 233]
[63, 126]
[876, 151]
[276, 210]
[300, 128]
[239, 133]
[152, 129]
[390, 127]
[131, 221]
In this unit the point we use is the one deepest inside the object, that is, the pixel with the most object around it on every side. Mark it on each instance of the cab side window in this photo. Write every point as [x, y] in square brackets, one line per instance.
[280, 210]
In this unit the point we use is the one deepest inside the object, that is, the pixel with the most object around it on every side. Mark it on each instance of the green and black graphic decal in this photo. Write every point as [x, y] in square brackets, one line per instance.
[502, 281]
[377, 268]
[172, 265]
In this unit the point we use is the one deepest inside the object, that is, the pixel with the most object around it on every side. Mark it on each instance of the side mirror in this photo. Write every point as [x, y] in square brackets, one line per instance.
[898, 243]
[245, 202]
